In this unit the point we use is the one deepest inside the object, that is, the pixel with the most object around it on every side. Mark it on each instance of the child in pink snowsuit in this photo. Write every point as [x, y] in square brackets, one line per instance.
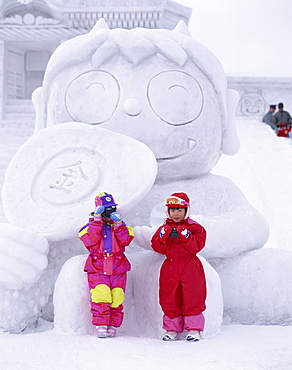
[182, 283]
[105, 237]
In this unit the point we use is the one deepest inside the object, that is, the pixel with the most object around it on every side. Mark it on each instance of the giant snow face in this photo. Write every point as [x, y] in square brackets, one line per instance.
[172, 108]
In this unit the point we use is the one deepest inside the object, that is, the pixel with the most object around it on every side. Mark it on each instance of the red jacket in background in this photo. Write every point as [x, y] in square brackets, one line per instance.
[283, 131]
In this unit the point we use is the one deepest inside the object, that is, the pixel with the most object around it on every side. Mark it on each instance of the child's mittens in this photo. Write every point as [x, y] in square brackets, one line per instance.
[97, 213]
[184, 233]
[164, 233]
[116, 217]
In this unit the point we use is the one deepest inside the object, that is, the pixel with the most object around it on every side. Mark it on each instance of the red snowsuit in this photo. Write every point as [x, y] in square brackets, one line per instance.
[283, 130]
[106, 268]
[182, 291]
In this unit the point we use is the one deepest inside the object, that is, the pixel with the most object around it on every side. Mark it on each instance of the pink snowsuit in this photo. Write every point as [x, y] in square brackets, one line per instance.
[106, 268]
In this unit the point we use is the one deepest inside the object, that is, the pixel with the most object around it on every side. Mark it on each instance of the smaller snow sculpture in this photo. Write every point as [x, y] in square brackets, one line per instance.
[252, 103]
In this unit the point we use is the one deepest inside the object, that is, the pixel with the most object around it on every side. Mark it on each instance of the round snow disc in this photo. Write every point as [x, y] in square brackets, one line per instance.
[51, 182]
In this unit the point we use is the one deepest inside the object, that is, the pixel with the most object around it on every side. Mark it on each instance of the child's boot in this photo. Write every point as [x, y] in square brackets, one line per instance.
[193, 336]
[170, 335]
[101, 331]
[111, 331]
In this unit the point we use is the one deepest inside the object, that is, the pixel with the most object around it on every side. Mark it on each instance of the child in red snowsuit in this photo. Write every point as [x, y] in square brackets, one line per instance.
[283, 130]
[105, 237]
[182, 284]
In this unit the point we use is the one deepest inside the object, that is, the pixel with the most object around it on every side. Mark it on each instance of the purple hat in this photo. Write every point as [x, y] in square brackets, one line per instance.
[105, 199]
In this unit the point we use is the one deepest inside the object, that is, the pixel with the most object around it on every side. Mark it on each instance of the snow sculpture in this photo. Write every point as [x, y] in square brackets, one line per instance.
[252, 103]
[48, 193]
[143, 315]
[60, 183]
[169, 92]
[163, 89]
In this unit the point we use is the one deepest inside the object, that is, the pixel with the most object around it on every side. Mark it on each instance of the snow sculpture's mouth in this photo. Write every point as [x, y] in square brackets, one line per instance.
[252, 111]
[190, 146]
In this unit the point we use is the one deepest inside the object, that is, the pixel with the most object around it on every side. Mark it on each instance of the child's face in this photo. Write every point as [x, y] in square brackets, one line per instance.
[177, 214]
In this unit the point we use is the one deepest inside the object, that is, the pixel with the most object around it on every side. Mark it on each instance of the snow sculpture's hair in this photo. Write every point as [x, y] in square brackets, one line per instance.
[138, 45]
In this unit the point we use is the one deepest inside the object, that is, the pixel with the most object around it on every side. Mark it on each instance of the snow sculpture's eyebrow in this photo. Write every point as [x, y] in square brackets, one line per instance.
[103, 53]
[137, 46]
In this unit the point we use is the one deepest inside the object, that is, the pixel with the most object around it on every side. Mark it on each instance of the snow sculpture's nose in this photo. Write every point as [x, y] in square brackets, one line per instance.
[132, 107]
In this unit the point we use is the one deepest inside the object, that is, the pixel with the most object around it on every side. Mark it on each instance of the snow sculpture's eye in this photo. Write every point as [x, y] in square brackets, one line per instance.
[92, 97]
[176, 97]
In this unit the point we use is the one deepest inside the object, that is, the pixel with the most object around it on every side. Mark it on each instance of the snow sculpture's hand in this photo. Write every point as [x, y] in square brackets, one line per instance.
[97, 213]
[183, 232]
[23, 257]
[143, 236]
[164, 233]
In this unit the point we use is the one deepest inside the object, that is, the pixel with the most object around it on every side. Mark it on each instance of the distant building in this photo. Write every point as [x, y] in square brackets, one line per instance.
[30, 31]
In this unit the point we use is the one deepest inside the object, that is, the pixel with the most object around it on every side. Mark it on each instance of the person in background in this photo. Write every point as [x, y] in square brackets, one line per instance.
[182, 283]
[105, 237]
[283, 116]
[283, 130]
[269, 117]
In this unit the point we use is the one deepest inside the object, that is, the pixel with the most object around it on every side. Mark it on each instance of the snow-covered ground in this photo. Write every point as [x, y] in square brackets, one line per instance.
[236, 347]
[265, 159]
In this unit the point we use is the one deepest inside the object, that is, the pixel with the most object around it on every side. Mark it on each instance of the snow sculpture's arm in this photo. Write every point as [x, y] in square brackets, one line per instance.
[143, 236]
[228, 234]
[234, 226]
[233, 233]
[22, 257]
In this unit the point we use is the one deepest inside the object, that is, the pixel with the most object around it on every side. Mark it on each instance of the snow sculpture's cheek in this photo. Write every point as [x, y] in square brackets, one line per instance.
[92, 97]
[202, 149]
[176, 97]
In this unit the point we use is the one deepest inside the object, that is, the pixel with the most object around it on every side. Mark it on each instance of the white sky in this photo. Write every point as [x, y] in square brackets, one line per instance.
[250, 38]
